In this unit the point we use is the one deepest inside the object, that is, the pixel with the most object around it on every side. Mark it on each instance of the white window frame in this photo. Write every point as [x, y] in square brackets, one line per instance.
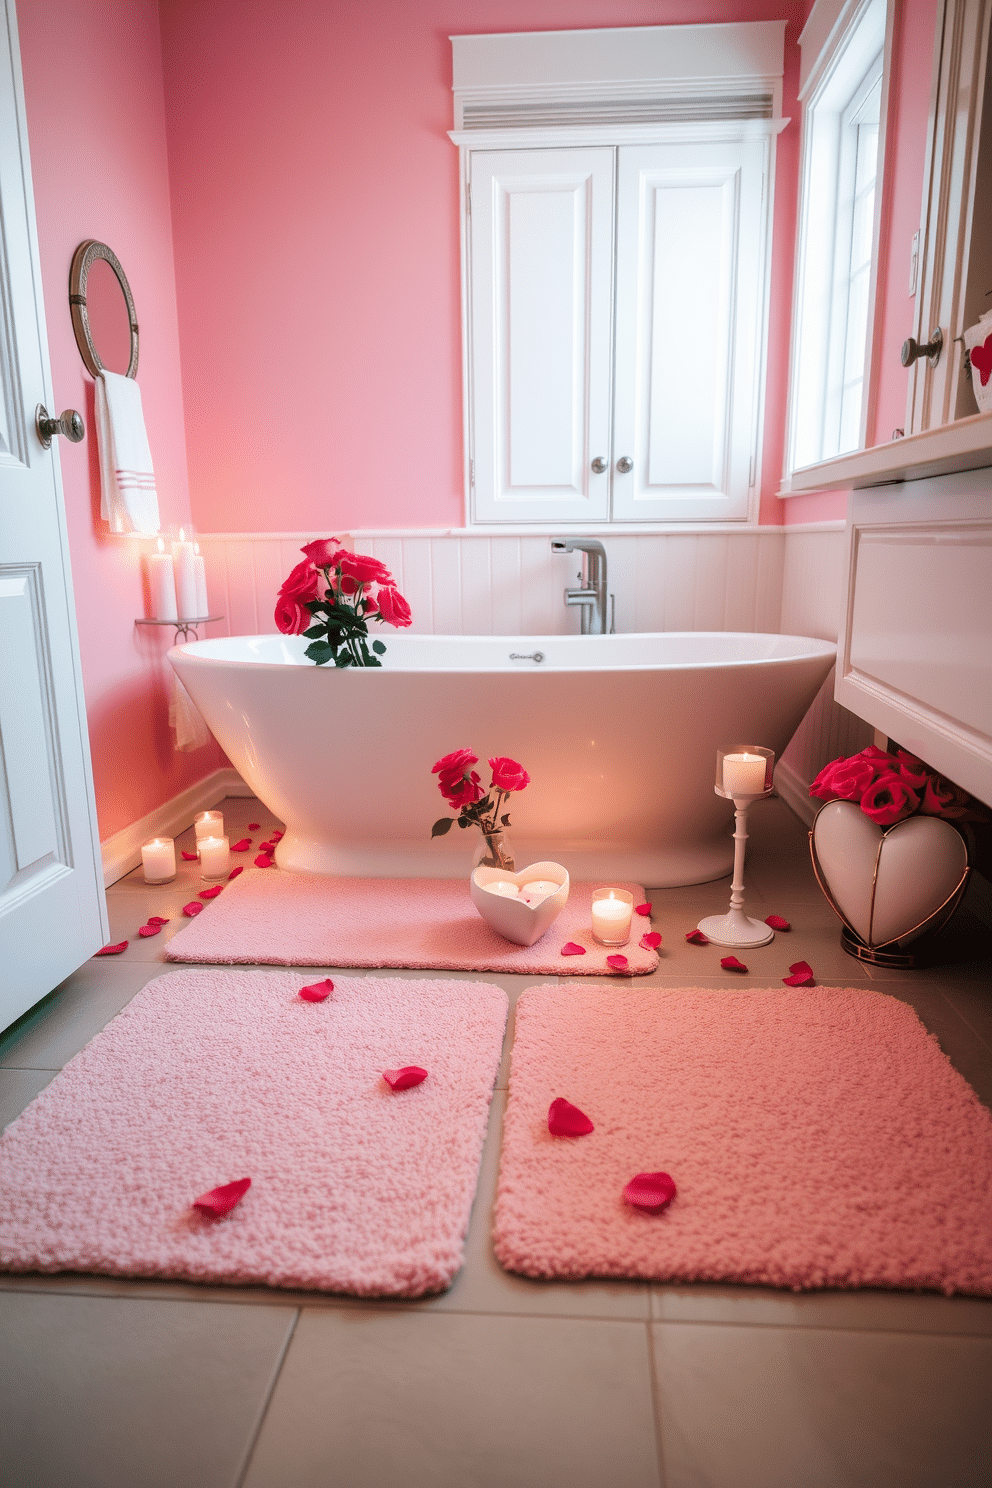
[846, 50]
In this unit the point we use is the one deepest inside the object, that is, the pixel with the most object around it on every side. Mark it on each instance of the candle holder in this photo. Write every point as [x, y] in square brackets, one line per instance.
[158, 860]
[743, 775]
[611, 915]
[208, 824]
[215, 857]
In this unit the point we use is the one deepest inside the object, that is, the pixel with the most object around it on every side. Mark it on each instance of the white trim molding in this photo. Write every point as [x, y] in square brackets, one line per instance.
[122, 851]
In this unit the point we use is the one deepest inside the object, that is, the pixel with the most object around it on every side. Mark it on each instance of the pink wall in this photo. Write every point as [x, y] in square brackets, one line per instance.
[96, 129]
[315, 210]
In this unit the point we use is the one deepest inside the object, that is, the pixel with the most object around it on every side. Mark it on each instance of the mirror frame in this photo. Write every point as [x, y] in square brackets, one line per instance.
[82, 261]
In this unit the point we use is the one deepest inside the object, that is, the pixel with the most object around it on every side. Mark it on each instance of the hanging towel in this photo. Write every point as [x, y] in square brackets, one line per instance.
[186, 718]
[129, 501]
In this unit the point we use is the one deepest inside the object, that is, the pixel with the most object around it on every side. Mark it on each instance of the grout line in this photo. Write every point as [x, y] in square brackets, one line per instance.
[949, 998]
[659, 1435]
[264, 1410]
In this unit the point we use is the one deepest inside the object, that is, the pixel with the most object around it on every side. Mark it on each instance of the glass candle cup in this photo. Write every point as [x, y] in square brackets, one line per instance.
[744, 771]
[215, 857]
[158, 859]
[208, 824]
[611, 914]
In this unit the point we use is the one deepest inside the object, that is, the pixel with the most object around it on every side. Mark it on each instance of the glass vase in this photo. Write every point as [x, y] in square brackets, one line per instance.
[494, 851]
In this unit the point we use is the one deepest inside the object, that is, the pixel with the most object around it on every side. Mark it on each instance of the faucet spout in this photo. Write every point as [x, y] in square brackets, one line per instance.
[591, 596]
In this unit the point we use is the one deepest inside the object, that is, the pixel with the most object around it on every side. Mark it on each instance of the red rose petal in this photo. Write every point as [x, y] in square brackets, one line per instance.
[149, 929]
[777, 922]
[254, 826]
[802, 975]
[696, 937]
[402, 1079]
[571, 949]
[317, 991]
[157, 920]
[642, 909]
[651, 1191]
[267, 847]
[566, 1120]
[211, 893]
[235, 871]
[112, 950]
[731, 963]
[650, 939]
[263, 861]
[192, 908]
[190, 857]
[618, 963]
[222, 1200]
[241, 846]
[277, 836]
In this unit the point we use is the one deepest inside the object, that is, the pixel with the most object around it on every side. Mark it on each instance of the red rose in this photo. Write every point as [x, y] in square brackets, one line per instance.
[913, 771]
[507, 774]
[291, 618]
[321, 551]
[844, 779]
[463, 791]
[301, 584]
[880, 756]
[363, 568]
[371, 604]
[943, 798]
[889, 799]
[393, 607]
[456, 762]
[347, 585]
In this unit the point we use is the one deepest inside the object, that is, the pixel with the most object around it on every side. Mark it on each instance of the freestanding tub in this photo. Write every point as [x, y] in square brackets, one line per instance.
[619, 734]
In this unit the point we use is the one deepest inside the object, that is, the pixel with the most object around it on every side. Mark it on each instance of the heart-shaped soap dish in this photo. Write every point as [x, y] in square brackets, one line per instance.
[510, 914]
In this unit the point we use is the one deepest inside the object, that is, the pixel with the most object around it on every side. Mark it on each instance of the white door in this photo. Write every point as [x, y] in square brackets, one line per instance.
[52, 907]
[689, 313]
[541, 336]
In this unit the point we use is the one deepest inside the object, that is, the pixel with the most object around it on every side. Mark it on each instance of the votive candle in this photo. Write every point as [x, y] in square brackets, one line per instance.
[215, 857]
[744, 774]
[538, 889]
[611, 914]
[208, 824]
[158, 859]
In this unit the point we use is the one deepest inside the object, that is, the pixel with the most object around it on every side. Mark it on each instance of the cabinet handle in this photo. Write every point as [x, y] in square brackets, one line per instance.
[911, 349]
[625, 465]
[599, 464]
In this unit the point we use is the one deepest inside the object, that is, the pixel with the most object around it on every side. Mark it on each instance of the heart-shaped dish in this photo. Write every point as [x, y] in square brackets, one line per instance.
[511, 917]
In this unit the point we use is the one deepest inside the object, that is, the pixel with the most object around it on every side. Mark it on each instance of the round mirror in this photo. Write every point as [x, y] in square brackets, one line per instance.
[103, 315]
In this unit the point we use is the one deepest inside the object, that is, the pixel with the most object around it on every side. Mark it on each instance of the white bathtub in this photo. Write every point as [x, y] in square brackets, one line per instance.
[619, 734]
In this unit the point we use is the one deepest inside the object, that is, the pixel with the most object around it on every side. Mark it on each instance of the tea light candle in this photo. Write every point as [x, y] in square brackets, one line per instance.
[744, 774]
[215, 856]
[158, 859]
[538, 890]
[503, 888]
[183, 558]
[162, 584]
[611, 914]
[208, 824]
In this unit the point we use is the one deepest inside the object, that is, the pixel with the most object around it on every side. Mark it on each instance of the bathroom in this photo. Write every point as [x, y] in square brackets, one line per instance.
[302, 375]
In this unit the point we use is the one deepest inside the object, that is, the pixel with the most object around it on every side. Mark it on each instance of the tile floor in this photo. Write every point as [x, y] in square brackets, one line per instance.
[502, 1382]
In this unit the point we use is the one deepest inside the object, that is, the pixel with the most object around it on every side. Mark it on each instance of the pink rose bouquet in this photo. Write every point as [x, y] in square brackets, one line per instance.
[891, 787]
[331, 596]
[462, 788]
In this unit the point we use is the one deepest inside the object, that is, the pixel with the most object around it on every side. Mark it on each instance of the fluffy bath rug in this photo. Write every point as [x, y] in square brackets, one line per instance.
[292, 919]
[815, 1139]
[209, 1077]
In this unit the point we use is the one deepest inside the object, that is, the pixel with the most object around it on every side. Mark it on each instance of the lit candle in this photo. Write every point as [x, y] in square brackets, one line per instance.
[158, 859]
[162, 584]
[743, 774]
[503, 888]
[200, 575]
[208, 824]
[539, 889]
[183, 556]
[611, 914]
[215, 856]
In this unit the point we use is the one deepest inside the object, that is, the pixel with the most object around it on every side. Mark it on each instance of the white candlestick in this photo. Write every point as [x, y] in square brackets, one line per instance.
[182, 556]
[158, 859]
[208, 824]
[200, 575]
[215, 857]
[611, 916]
[162, 585]
[743, 774]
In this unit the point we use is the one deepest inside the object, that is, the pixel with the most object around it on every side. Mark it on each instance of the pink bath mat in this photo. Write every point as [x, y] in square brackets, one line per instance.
[815, 1139]
[210, 1077]
[293, 919]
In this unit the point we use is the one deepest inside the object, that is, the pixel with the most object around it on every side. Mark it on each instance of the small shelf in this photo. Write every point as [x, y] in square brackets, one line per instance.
[182, 627]
[965, 444]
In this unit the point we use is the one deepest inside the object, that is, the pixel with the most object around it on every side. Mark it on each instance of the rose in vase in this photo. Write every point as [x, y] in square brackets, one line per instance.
[462, 788]
[330, 598]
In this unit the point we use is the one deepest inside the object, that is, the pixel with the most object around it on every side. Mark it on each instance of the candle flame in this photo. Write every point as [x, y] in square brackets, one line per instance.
[161, 546]
[182, 534]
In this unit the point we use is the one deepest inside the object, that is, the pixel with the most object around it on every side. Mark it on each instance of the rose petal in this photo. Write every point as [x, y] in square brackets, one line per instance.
[402, 1079]
[571, 949]
[277, 836]
[254, 826]
[566, 1120]
[189, 857]
[802, 975]
[650, 939]
[192, 908]
[235, 871]
[112, 950]
[241, 846]
[263, 861]
[731, 963]
[149, 929]
[651, 1191]
[222, 1200]
[618, 963]
[267, 847]
[696, 937]
[211, 893]
[642, 909]
[317, 991]
[157, 920]
[777, 922]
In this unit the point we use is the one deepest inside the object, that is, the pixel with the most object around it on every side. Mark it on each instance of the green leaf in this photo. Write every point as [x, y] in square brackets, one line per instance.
[444, 825]
[505, 820]
[379, 648]
[314, 633]
[319, 651]
[463, 821]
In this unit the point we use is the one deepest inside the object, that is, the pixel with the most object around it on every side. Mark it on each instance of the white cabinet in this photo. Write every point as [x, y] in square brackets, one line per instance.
[615, 326]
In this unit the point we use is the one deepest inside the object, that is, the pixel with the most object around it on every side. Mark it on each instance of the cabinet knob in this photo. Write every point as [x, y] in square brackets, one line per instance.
[70, 424]
[599, 464]
[912, 350]
[625, 464]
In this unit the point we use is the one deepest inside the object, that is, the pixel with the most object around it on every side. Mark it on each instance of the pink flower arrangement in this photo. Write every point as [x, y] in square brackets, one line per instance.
[330, 598]
[891, 787]
[462, 788]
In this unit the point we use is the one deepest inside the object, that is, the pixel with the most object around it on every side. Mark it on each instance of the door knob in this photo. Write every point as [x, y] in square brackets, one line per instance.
[625, 465]
[599, 464]
[911, 349]
[69, 423]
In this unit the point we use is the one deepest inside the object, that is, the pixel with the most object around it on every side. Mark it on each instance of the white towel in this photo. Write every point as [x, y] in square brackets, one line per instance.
[186, 718]
[129, 501]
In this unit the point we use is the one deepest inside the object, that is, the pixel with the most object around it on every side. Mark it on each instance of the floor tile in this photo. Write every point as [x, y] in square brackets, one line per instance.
[18, 1088]
[760, 1307]
[974, 1004]
[443, 1401]
[816, 1408]
[113, 1393]
[67, 1020]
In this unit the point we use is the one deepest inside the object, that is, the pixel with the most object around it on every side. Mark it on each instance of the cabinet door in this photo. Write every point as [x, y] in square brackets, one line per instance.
[690, 318]
[540, 333]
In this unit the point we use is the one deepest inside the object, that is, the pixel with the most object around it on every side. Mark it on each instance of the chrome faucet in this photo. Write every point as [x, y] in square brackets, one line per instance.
[592, 595]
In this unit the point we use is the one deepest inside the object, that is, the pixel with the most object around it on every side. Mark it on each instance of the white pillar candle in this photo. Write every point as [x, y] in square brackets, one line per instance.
[215, 857]
[611, 914]
[200, 575]
[208, 824]
[183, 556]
[743, 774]
[158, 859]
[162, 584]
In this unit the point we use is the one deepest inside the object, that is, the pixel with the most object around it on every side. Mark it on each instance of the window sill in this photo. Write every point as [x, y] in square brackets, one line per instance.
[963, 445]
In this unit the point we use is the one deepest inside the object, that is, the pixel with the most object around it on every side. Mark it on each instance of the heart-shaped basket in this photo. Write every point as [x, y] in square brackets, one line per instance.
[512, 917]
[888, 885]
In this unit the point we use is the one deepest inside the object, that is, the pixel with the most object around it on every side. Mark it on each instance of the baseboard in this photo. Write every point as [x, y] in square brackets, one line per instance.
[122, 851]
[795, 792]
